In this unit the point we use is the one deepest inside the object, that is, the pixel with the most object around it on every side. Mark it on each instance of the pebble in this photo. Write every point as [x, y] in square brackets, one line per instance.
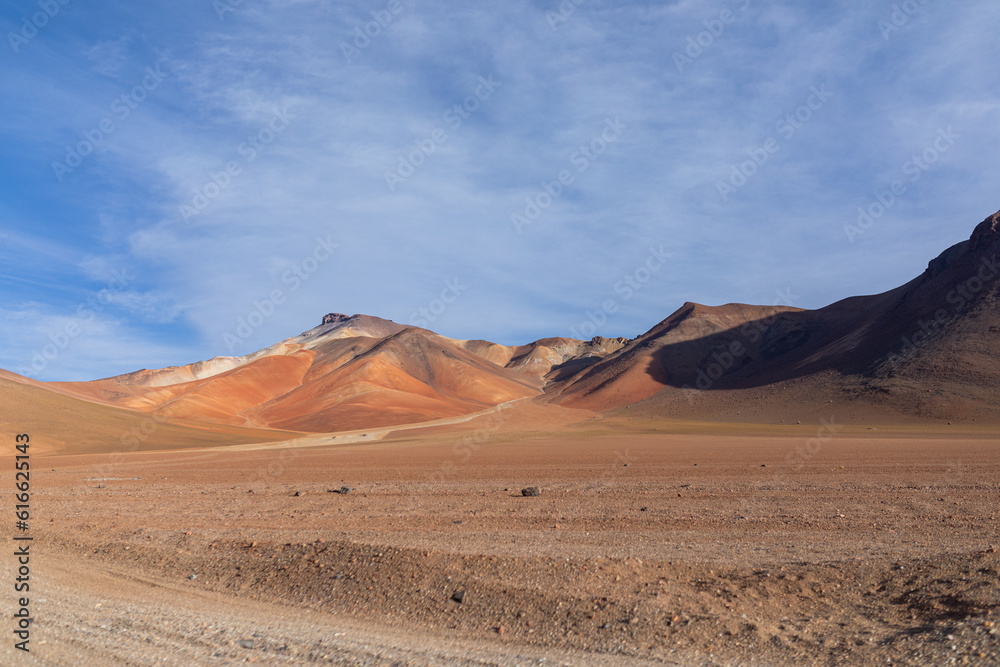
[531, 491]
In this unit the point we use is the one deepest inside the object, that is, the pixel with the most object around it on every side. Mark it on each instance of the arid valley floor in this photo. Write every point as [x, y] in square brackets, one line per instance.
[652, 542]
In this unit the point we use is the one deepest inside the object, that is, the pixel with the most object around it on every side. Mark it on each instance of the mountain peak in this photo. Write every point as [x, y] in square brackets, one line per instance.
[985, 232]
[334, 318]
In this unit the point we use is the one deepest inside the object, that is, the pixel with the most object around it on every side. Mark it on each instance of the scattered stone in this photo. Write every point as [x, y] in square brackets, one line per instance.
[100, 486]
[297, 494]
[763, 465]
[501, 630]
[643, 509]
[193, 576]
[531, 491]
[246, 643]
[458, 596]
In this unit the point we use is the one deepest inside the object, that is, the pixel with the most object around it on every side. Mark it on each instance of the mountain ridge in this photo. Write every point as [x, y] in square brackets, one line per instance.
[936, 331]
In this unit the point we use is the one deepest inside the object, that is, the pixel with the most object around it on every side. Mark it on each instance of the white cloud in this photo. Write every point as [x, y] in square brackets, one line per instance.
[323, 174]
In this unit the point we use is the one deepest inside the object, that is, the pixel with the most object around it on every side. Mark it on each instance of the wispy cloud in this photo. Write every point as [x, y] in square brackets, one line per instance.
[206, 131]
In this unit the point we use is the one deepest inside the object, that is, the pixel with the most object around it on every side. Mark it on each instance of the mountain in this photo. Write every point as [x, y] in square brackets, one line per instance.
[83, 426]
[350, 372]
[926, 349]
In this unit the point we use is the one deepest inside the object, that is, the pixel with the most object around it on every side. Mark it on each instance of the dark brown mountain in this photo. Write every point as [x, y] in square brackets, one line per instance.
[925, 349]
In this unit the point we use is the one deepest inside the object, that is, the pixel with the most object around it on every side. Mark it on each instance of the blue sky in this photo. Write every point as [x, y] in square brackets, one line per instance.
[190, 179]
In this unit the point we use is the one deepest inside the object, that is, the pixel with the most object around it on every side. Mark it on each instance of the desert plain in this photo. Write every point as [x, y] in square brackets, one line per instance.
[653, 542]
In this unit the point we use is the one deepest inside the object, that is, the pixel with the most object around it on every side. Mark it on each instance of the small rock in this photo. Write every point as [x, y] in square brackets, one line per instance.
[501, 630]
[458, 596]
[344, 490]
[100, 486]
[531, 491]
[297, 494]
[193, 576]
[643, 509]
[246, 643]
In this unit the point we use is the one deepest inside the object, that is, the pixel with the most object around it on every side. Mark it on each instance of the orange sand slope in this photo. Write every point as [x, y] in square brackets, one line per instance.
[59, 423]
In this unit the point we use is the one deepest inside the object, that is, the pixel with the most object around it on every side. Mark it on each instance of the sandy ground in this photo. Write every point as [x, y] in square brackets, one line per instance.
[650, 544]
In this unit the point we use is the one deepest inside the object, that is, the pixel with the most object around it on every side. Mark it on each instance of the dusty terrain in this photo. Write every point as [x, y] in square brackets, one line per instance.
[653, 542]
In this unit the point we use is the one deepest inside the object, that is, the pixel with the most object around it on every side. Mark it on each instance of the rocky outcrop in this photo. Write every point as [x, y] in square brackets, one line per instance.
[335, 318]
[985, 232]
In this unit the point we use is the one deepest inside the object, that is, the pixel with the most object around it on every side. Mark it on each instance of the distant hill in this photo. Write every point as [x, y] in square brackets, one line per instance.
[925, 350]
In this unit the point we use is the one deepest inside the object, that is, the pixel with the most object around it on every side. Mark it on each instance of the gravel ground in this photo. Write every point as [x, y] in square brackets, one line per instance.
[670, 550]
